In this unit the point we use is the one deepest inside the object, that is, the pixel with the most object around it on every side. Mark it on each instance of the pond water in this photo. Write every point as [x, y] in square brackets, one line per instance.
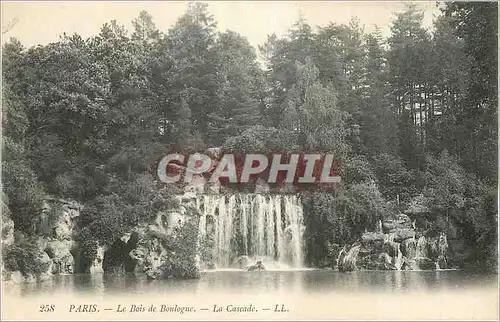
[264, 282]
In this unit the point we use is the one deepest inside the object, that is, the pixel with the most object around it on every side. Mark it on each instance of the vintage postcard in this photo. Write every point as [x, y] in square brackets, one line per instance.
[258, 160]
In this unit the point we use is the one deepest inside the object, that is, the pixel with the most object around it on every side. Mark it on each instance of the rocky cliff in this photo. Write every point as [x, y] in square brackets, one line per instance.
[170, 245]
[48, 251]
[397, 245]
[163, 247]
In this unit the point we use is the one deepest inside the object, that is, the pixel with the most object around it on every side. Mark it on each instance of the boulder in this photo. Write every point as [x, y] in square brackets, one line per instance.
[410, 264]
[45, 261]
[243, 261]
[442, 263]
[214, 153]
[168, 246]
[25, 264]
[398, 249]
[432, 248]
[257, 267]
[425, 263]
[409, 248]
[369, 237]
[60, 254]
[58, 218]
[385, 262]
[400, 234]
[369, 261]
[401, 222]
[150, 256]
[261, 186]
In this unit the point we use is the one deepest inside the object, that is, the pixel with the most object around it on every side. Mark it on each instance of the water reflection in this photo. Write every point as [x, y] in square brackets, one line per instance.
[254, 283]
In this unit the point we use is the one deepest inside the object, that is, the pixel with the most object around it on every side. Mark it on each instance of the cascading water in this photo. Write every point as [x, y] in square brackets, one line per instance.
[398, 258]
[347, 259]
[398, 262]
[380, 227]
[264, 227]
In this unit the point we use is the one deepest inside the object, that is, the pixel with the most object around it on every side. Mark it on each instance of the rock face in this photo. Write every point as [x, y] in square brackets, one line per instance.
[168, 246]
[50, 252]
[58, 219]
[96, 266]
[26, 262]
[150, 256]
[60, 253]
[398, 245]
[117, 260]
[57, 224]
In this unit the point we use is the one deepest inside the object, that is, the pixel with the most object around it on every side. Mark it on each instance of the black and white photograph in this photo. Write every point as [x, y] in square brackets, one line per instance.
[249, 160]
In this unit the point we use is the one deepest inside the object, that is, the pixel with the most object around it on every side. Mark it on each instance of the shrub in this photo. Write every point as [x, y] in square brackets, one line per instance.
[183, 261]
[27, 260]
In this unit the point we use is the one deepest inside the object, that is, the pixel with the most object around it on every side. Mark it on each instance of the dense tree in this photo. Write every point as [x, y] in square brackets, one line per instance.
[407, 51]
[477, 25]
[192, 45]
[239, 105]
[460, 198]
[378, 121]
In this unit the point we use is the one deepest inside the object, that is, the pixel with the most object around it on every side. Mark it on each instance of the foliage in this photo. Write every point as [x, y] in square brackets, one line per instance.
[341, 219]
[467, 202]
[26, 259]
[395, 180]
[109, 217]
[259, 139]
[364, 205]
[358, 170]
[183, 262]
[22, 192]
[476, 24]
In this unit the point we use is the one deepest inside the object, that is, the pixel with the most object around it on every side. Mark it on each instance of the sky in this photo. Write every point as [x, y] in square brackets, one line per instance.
[42, 22]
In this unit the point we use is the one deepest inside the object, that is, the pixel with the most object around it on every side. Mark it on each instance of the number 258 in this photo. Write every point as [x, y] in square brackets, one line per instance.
[47, 308]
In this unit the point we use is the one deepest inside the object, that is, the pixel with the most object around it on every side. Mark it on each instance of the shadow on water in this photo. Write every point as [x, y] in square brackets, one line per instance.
[241, 282]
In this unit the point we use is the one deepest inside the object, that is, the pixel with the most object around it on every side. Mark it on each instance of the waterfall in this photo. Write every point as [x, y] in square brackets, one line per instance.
[265, 227]
[442, 244]
[340, 258]
[389, 238]
[397, 261]
[347, 260]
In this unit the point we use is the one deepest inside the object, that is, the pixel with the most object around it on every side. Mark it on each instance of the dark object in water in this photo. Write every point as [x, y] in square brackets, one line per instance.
[257, 267]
